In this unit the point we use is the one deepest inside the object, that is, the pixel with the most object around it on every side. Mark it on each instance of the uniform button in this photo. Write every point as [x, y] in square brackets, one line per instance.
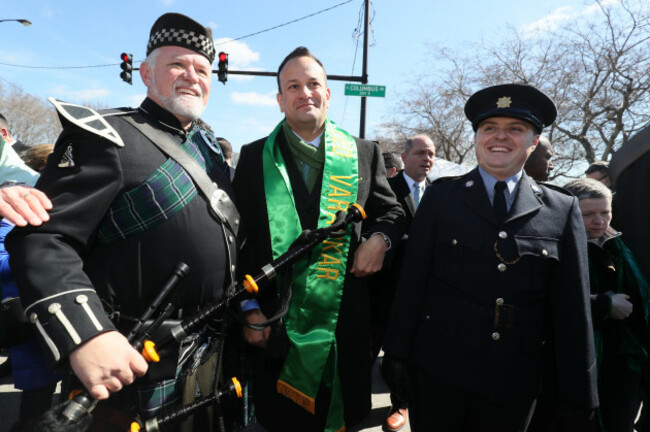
[544, 252]
[454, 242]
[33, 317]
[230, 239]
[54, 308]
[503, 235]
[502, 267]
[81, 299]
[232, 268]
[499, 301]
[426, 317]
[496, 336]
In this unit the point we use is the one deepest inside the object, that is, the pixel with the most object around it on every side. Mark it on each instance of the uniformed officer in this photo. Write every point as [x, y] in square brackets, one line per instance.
[124, 214]
[495, 265]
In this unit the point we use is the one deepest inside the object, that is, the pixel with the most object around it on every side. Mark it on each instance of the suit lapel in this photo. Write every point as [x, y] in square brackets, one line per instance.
[401, 190]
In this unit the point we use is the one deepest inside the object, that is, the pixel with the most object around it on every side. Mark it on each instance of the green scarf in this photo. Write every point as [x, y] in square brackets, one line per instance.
[317, 279]
[309, 159]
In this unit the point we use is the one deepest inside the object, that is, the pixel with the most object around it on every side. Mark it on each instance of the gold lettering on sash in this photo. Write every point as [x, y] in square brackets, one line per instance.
[339, 179]
[328, 259]
[342, 151]
[329, 244]
[340, 205]
[329, 273]
[333, 257]
[337, 191]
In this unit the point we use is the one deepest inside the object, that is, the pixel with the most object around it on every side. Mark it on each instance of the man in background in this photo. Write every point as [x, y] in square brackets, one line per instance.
[540, 164]
[408, 185]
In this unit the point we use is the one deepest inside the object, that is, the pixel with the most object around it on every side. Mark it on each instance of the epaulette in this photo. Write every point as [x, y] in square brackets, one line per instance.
[555, 188]
[445, 179]
[87, 119]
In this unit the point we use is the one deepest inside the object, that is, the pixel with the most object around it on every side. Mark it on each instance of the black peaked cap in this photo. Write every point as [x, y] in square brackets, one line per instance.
[521, 101]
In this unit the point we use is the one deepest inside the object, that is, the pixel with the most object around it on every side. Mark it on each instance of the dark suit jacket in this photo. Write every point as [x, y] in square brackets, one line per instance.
[353, 327]
[443, 319]
[404, 196]
[384, 283]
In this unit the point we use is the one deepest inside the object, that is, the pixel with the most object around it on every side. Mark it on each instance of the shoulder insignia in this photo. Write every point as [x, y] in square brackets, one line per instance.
[67, 161]
[535, 188]
[87, 119]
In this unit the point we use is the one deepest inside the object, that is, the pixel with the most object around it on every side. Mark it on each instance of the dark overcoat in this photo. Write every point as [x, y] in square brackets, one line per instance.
[352, 333]
[477, 300]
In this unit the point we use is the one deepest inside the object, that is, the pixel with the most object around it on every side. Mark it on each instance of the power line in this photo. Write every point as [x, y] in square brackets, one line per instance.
[222, 43]
[287, 23]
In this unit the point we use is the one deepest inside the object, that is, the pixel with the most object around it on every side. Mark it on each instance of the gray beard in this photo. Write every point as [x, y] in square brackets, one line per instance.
[175, 105]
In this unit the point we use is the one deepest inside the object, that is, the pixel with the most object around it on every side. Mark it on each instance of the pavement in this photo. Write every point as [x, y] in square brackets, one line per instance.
[10, 403]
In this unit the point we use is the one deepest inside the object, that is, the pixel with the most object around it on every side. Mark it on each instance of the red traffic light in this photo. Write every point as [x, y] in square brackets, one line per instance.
[126, 57]
[223, 56]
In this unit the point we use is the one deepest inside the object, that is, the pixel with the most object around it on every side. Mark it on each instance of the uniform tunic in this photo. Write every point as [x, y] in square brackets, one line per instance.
[69, 280]
[478, 299]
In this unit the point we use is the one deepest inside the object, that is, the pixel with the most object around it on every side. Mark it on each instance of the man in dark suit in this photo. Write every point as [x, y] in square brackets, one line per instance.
[497, 266]
[313, 373]
[408, 186]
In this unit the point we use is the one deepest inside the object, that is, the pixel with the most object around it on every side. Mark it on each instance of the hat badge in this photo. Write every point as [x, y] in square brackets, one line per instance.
[504, 102]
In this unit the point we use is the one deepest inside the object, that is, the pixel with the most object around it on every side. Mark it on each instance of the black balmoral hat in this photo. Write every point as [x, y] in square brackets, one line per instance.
[179, 30]
[521, 101]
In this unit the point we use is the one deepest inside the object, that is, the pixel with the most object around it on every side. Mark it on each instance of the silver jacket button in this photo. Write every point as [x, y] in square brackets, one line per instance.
[496, 336]
[502, 267]
[503, 235]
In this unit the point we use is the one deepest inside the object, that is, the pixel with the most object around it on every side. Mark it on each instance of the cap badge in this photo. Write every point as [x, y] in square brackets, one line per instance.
[504, 102]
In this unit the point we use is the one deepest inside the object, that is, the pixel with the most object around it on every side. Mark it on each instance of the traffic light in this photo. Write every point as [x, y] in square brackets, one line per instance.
[223, 67]
[127, 67]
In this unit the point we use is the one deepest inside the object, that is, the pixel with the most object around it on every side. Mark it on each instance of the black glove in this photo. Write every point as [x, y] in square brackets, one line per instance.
[397, 376]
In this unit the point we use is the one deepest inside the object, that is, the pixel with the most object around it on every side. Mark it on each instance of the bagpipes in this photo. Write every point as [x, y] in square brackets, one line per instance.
[76, 415]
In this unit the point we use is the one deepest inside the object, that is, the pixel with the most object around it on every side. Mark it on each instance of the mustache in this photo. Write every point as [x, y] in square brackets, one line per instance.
[194, 87]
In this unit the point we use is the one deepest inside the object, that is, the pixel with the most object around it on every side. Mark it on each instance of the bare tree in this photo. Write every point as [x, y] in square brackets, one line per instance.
[32, 120]
[595, 68]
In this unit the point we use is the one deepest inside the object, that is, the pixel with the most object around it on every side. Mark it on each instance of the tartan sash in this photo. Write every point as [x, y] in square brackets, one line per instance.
[164, 193]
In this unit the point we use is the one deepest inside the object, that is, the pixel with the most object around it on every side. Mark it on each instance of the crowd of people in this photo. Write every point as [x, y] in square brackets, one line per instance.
[501, 301]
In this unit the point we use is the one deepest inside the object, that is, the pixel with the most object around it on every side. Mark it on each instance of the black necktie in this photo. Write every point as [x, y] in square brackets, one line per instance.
[499, 203]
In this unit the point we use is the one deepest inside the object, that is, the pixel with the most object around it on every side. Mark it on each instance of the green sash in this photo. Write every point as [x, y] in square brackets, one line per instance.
[317, 279]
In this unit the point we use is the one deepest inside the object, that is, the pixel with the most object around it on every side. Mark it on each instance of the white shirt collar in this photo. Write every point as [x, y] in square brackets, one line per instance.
[314, 143]
[410, 182]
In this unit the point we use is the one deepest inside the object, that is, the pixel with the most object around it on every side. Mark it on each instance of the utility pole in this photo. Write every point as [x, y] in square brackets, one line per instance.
[364, 71]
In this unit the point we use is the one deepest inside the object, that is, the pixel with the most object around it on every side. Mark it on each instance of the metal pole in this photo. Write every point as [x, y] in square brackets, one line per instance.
[364, 72]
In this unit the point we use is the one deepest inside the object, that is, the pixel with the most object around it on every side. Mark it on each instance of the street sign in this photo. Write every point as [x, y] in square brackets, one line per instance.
[365, 90]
